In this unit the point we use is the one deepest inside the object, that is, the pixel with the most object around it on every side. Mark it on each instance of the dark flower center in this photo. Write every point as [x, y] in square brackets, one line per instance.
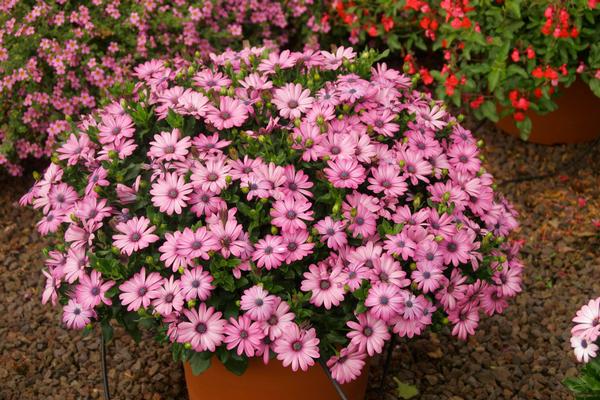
[368, 331]
[225, 115]
[212, 177]
[169, 298]
[335, 150]
[201, 328]
[196, 245]
[378, 123]
[95, 291]
[360, 221]
[142, 291]
[173, 193]
[452, 247]
[135, 236]
[273, 320]
[292, 186]
[259, 302]
[344, 175]
[291, 214]
[426, 274]
[384, 300]
[463, 159]
[268, 250]
[169, 149]
[77, 311]
[244, 334]
[292, 246]
[195, 283]
[324, 284]
[297, 346]
[292, 104]
[330, 231]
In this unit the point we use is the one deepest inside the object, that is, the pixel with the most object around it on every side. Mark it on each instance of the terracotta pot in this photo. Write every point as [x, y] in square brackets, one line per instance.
[576, 120]
[267, 382]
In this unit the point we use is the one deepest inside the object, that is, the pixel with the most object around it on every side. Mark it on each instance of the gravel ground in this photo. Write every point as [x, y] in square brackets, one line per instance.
[523, 354]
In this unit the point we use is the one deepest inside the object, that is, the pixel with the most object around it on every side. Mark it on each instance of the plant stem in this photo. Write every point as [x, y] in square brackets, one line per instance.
[336, 385]
[104, 369]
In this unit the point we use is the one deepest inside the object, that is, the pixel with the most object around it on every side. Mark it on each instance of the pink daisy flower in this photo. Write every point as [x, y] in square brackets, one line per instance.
[167, 146]
[368, 334]
[587, 320]
[297, 246]
[333, 232]
[203, 329]
[170, 193]
[292, 101]
[197, 243]
[257, 303]
[386, 178]
[465, 321]
[231, 112]
[207, 79]
[385, 301]
[91, 290]
[243, 334]
[140, 290]
[280, 319]
[298, 348]
[75, 316]
[169, 297]
[196, 283]
[583, 348]
[345, 173]
[327, 287]
[135, 234]
[211, 177]
[290, 214]
[347, 366]
[269, 252]
[113, 128]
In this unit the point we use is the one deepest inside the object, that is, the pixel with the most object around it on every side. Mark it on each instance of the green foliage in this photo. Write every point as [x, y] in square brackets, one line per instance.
[587, 385]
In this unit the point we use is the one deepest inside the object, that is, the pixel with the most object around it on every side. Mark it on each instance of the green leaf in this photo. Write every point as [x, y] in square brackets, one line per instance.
[405, 391]
[525, 128]
[199, 362]
[237, 364]
[514, 7]
[595, 86]
[488, 109]
[493, 78]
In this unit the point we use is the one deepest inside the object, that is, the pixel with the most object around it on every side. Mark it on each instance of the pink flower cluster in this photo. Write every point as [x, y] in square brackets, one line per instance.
[59, 57]
[269, 202]
[585, 333]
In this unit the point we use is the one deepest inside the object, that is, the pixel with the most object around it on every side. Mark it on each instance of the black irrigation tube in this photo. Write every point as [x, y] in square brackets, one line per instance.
[336, 385]
[104, 369]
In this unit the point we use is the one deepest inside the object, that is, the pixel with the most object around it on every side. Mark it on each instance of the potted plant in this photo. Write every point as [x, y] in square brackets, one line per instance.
[295, 208]
[584, 340]
[511, 62]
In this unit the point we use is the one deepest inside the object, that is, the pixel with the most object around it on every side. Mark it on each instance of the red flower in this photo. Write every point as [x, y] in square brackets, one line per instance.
[475, 104]
[519, 116]
[388, 23]
[372, 30]
[537, 73]
[426, 76]
[515, 55]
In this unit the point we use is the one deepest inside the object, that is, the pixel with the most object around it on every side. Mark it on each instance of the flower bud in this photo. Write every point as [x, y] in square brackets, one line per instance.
[187, 346]
[149, 260]
[228, 179]
[446, 196]
[191, 303]
[274, 230]
[413, 266]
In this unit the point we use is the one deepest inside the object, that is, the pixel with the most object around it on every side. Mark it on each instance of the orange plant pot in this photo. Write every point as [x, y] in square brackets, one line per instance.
[268, 382]
[576, 120]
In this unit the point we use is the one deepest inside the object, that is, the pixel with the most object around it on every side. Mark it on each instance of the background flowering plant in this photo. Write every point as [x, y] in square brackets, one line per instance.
[299, 205]
[493, 58]
[58, 58]
[584, 340]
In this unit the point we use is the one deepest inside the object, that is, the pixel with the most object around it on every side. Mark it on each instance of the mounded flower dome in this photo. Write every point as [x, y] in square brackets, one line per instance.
[278, 205]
